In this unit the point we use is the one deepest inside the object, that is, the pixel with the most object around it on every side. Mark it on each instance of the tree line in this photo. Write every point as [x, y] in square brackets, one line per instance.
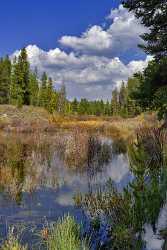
[146, 90]
[19, 86]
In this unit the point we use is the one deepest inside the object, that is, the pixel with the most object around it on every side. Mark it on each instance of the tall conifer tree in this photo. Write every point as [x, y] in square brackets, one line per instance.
[43, 91]
[5, 80]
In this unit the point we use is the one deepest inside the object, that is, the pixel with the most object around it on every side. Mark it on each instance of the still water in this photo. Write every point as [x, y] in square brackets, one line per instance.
[41, 174]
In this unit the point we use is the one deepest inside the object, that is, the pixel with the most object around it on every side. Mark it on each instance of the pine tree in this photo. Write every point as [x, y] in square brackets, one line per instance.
[74, 106]
[83, 106]
[20, 80]
[24, 74]
[43, 91]
[123, 100]
[54, 102]
[68, 108]
[153, 14]
[49, 93]
[114, 102]
[34, 89]
[5, 80]
[107, 108]
[102, 107]
[16, 92]
[133, 85]
[62, 99]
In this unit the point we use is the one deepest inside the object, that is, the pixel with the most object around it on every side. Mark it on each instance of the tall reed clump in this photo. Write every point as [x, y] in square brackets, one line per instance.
[66, 235]
[76, 149]
[81, 149]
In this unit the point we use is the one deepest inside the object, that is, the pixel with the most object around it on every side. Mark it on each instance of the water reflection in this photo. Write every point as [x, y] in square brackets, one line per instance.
[40, 174]
[135, 216]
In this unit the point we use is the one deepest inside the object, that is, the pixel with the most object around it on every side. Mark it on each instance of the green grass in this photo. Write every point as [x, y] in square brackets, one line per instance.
[65, 235]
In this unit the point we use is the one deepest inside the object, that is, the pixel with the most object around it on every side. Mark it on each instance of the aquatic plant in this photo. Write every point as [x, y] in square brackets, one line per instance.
[119, 213]
[81, 149]
[99, 153]
[119, 146]
[76, 149]
[149, 150]
[142, 200]
[65, 234]
[12, 242]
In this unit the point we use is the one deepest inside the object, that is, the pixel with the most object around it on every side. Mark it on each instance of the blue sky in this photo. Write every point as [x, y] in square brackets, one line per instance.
[91, 46]
[43, 22]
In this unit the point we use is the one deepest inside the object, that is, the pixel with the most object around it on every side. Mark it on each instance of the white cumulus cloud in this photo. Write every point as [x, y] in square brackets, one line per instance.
[94, 66]
[122, 35]
[84, 75]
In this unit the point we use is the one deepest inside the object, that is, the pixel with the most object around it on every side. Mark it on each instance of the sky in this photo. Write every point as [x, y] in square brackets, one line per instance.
[90, 46]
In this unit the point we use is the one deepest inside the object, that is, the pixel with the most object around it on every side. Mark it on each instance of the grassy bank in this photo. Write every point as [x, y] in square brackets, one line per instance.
[33, 119]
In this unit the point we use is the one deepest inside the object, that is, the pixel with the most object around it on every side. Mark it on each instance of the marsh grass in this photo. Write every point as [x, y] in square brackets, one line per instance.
[13, 242]
[119, 146]
[23, 160]
[65, 235]
[148, 153]
[25, 120]
[35, 119]
[80, 149]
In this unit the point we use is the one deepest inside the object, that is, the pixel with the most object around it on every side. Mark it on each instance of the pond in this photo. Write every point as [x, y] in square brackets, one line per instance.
[40, 174]
[115, 189]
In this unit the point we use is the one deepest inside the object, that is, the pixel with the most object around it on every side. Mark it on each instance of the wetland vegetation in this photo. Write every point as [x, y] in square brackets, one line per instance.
[86, 174]
[108, 190]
